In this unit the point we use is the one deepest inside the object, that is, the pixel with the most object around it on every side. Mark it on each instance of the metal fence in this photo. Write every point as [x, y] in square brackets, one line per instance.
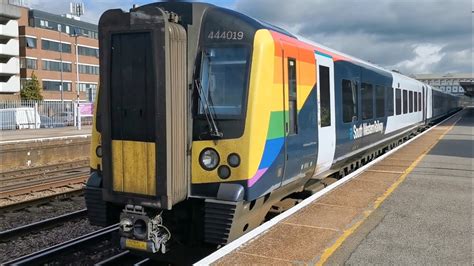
[44, 114]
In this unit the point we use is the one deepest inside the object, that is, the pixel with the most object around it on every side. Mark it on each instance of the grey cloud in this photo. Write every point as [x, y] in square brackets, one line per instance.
[384, 32]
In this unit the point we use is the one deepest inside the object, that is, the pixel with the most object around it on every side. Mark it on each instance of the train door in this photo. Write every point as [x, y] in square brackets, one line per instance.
[424, 103]
[327, 116]
[290, 92]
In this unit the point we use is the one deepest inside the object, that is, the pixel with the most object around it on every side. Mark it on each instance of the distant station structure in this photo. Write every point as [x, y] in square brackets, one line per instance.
[450, 82]
[468, 88]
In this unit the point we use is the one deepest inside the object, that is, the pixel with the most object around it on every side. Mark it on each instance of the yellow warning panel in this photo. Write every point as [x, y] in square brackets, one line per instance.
[134, 167]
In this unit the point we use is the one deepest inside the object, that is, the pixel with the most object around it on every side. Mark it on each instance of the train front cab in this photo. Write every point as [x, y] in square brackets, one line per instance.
[139, 141]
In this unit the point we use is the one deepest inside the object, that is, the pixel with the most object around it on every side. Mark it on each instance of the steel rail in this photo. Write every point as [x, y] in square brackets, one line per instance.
[40, 225]
[48, 254]
[35, 172]
[45, 184]
[18, 205]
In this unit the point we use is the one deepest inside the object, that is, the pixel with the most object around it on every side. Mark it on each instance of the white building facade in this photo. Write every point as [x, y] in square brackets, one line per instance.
[9, 51]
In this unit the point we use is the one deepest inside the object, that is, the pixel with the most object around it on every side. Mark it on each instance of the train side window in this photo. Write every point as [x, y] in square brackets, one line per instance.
[410, 102]
[325, 96]
[405, 101]
[379, 101]
[398, 99]
[349, 101]
[389, 101]
[292, 106]
[419, 101]
[350, 110]
[415, 101]
[367, 96]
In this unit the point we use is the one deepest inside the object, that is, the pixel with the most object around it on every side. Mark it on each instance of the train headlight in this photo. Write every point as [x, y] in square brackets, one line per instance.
[98, 151]
[223, 171]
[209, 159]
[126, 225]
[233, 160]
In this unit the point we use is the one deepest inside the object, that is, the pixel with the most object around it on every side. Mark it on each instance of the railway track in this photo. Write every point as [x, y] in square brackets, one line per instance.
[41, 225]
[29, 187]
[65, 179]
[58, 252]
[35, 172]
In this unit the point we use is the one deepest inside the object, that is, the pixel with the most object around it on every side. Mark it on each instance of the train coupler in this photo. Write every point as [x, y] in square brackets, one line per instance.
[143, 232]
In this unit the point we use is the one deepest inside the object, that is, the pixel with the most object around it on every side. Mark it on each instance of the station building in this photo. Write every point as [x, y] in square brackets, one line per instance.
[48, 44]
[448, 82]
[9, 51]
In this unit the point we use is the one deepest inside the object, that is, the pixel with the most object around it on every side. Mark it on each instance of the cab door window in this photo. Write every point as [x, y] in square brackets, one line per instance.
[292, 105]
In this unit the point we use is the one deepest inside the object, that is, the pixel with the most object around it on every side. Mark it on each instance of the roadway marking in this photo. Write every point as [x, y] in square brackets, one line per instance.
[329, 251]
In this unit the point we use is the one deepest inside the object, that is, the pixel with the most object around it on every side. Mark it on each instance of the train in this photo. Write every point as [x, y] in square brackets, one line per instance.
[206, 118]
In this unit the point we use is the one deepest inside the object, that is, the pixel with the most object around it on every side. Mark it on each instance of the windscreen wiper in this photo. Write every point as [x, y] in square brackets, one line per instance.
[213, 129]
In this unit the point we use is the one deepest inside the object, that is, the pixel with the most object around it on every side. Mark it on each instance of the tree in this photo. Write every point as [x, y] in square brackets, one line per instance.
[31, 89]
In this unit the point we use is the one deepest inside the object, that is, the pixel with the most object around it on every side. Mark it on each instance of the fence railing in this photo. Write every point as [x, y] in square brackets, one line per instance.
[44, 114]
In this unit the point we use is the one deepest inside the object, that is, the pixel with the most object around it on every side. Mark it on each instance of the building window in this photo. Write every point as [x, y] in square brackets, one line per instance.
[88, 69]
[379, 101]
[29, 63]
[90, 89]
[28, 42]
[398, 101]
[67, 30]
[55, 46]
[55, 66]
[349, 101]
[367, 97]
[325, 96]
[292, 105]
[87, 51]
[56, 85]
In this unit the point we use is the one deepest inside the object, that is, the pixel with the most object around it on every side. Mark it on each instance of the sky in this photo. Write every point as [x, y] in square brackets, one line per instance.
[412, 36]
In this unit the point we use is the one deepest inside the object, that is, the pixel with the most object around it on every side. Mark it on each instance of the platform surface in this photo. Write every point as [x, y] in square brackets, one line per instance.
[26, 134]
[428, 220]
[414, 207]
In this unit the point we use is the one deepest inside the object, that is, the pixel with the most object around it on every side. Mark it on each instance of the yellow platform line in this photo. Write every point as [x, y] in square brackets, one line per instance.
[329, 251]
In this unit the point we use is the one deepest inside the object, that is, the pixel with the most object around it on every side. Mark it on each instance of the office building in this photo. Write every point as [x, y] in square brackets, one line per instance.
[48, 44]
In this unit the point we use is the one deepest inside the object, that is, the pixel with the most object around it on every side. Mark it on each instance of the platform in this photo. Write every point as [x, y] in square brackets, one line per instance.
[29, 134]
[412, 207]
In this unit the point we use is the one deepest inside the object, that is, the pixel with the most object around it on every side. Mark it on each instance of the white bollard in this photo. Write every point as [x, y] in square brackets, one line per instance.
[35, 115]
[78, 116]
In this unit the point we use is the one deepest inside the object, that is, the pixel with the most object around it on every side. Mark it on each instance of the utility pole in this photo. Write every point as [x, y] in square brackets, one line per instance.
[77, 84]
[61, 88]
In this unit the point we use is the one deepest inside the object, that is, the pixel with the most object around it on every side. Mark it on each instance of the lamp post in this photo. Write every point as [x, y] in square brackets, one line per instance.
[61, 88]
[78, 118]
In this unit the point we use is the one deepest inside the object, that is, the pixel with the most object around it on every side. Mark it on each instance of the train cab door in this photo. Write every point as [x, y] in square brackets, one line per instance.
[292, 162]
[326, 114]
